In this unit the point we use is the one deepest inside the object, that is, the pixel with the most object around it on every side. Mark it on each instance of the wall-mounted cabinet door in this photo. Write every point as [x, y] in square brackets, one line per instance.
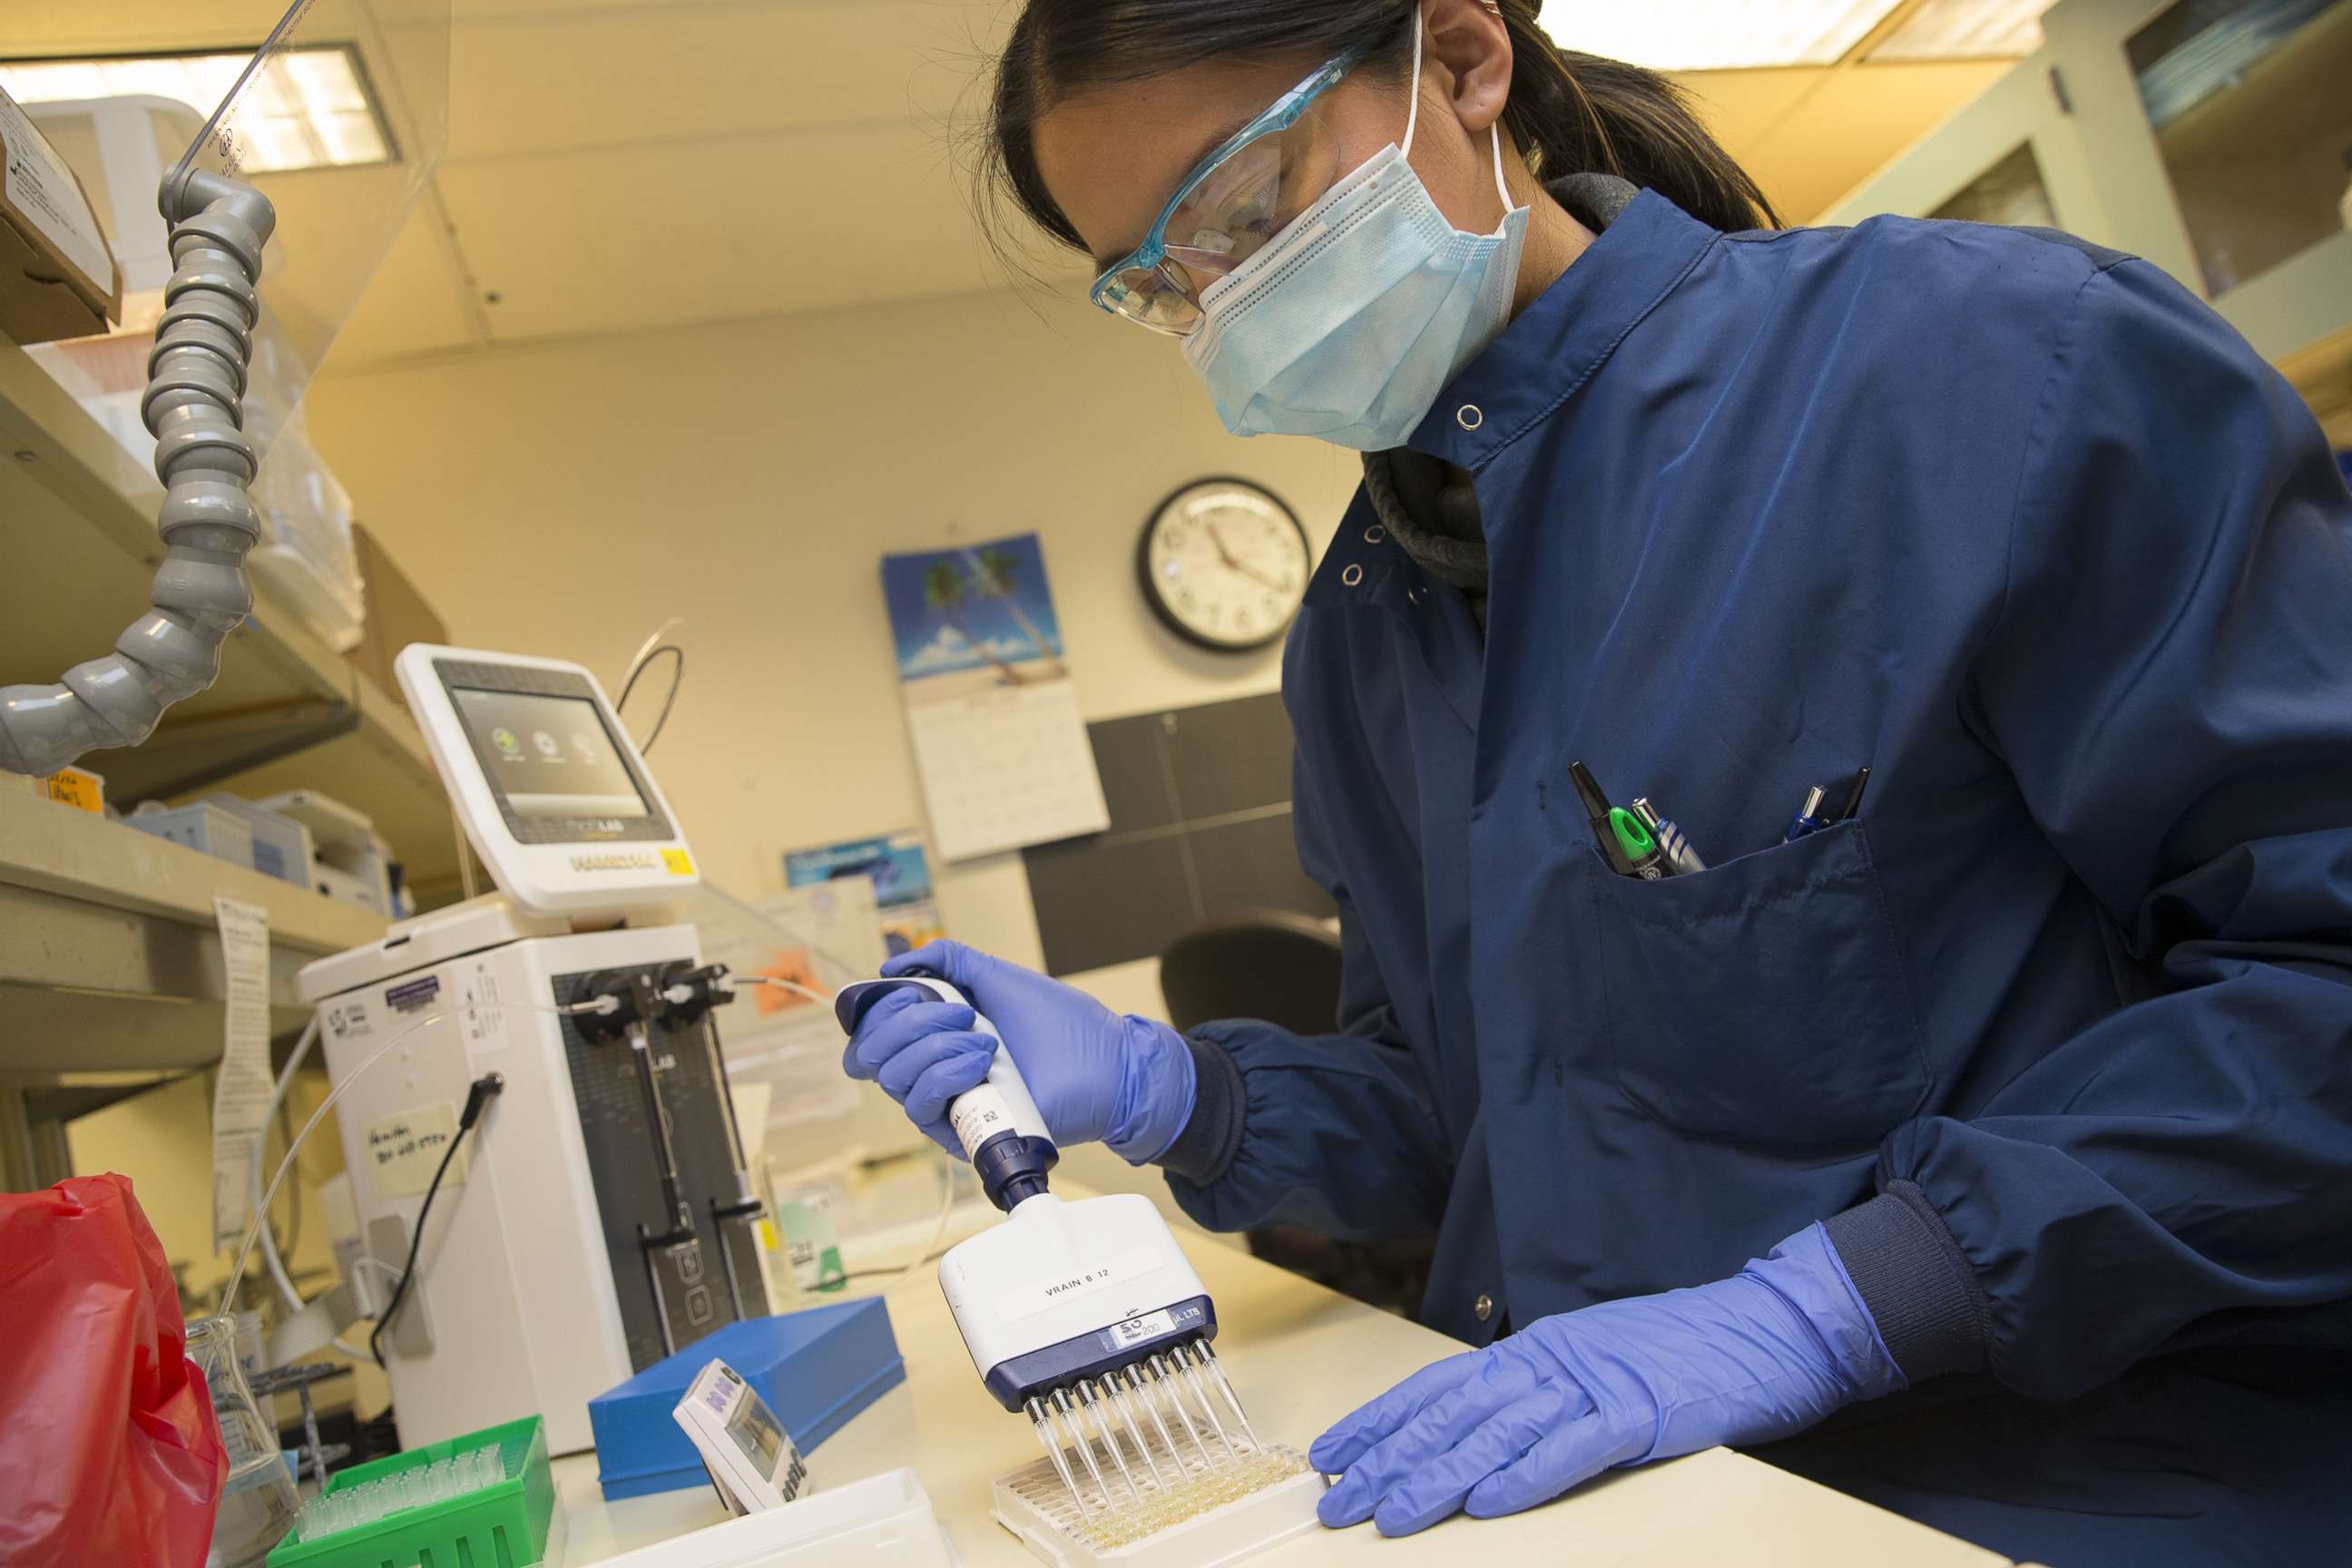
[2222, 130]
[2012, 156]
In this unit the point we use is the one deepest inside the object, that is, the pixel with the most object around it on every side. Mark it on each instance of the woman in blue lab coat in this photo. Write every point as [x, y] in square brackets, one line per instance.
[1986, 1152]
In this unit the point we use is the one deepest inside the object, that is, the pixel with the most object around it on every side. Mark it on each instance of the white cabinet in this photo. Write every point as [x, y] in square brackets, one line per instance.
[2213, 137]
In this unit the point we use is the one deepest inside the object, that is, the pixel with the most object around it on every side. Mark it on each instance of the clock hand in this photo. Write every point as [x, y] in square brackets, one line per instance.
[1252, 573]
[1218, 540]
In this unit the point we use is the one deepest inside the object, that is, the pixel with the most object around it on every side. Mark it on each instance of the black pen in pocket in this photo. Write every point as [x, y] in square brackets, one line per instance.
[1596, 812]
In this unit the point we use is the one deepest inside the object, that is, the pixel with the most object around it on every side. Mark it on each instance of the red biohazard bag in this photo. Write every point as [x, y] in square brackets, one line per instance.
[110, 1457]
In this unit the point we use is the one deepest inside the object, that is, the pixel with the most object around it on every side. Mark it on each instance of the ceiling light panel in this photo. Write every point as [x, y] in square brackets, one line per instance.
[308, 110]
[1715, 35]
[1967, 30]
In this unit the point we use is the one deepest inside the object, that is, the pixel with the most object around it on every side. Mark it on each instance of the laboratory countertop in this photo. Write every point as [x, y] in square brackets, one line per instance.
[1300, 1356]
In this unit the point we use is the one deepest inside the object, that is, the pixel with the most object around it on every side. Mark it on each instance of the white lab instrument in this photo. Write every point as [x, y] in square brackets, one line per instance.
[752, 1460]
[600, 1215]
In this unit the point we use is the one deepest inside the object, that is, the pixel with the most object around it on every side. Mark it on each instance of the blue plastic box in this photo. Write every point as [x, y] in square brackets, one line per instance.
[815, 1368]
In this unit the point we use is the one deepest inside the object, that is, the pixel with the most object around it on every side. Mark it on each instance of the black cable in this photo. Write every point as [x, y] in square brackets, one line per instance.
[488, 1085]
[676, 679]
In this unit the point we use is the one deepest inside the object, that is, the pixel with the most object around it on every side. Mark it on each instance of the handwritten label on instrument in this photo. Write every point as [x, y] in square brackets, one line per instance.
[403, 1151]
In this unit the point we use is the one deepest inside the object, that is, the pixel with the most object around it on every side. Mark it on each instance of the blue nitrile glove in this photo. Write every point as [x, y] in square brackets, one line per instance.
[1761, 1355]
[1095, 1074]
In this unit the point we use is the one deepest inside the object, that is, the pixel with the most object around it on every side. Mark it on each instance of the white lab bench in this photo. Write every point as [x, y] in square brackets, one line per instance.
[1301, 1357]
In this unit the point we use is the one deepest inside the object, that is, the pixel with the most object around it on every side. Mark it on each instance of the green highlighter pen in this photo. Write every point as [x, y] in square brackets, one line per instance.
[1641, 852]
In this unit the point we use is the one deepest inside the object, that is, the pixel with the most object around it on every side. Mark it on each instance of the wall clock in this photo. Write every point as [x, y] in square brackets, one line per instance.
[1224, 564]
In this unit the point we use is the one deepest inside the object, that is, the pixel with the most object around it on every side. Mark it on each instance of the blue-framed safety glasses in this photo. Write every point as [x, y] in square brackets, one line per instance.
[1239, 198]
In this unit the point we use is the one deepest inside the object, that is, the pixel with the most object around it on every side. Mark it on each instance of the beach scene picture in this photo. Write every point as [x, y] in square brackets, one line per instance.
[974, 619]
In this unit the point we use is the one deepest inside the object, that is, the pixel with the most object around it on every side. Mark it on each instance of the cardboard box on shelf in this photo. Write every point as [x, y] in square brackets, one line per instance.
[57, 277]
[396, 615]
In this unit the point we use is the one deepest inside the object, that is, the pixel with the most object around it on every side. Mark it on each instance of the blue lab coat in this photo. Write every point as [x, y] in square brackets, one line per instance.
[2026, 528]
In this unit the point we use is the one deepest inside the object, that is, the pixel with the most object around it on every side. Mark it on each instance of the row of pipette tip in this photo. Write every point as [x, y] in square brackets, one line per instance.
[1212, 1465]
[443, 1480]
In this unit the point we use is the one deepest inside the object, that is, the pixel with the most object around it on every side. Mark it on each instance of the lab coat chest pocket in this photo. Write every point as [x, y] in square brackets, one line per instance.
[1763, 1000]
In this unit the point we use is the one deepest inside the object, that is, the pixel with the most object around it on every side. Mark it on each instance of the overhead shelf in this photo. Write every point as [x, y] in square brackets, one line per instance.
[78, 529]
[110, 952]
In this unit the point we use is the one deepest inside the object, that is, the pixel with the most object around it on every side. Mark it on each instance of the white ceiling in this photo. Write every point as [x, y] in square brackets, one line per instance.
[620, 165]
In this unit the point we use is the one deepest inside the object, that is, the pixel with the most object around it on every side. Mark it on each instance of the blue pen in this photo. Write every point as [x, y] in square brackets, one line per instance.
[1808, 820]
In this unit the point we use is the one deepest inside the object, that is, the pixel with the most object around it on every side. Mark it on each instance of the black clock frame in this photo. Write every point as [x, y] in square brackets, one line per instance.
[1149, 582]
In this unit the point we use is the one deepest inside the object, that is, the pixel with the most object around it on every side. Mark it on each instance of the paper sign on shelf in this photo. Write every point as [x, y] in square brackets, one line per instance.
[241, 1089]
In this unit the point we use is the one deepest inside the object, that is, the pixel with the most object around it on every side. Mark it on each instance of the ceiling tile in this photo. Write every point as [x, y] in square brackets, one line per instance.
[641, 236]
[534, 82]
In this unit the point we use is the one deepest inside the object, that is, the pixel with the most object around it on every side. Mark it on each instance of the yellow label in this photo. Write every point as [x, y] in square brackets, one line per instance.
[74, 787]
[768, 1238]
[678, 863]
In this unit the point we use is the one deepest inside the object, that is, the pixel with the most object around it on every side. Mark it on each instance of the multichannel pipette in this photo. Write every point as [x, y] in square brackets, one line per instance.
[1087, 1318]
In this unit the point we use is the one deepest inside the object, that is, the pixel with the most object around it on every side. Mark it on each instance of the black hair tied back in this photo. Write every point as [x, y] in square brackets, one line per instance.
[1571, 113]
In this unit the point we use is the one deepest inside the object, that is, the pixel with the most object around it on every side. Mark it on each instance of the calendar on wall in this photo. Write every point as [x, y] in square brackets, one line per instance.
[999, 739]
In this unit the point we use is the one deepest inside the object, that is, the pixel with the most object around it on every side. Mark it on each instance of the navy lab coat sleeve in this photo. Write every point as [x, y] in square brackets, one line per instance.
[1333, 1132]
[2169, 679]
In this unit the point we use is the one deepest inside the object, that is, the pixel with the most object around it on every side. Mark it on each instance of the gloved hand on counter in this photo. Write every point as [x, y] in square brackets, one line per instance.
[1761, 1355]
[1095, 1075]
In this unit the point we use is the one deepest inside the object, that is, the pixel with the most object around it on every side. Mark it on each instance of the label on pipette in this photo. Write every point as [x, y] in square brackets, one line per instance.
[1134, 1263]
[1151, 1326]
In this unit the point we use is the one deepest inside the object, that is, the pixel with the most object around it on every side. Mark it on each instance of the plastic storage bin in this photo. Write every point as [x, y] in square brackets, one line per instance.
[815, 1368]
[349, 861]
[206, 829]
[281, 846]
[513, 1520]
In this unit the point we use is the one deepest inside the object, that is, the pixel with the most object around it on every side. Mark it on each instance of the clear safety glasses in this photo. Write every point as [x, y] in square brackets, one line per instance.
[1240, 196]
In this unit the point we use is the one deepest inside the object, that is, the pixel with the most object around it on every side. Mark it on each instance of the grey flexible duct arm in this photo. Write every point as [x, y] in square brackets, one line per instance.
[194, 406]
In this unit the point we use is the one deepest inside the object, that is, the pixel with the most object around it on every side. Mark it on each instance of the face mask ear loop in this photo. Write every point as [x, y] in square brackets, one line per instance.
[1413, 116]
[1502, 187]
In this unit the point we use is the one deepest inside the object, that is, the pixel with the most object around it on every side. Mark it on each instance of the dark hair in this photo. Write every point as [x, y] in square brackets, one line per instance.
[1570, 113]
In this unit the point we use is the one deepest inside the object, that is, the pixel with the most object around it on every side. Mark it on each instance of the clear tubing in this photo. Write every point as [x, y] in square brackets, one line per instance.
[1086, 1449]
[1216, 1371]
[293, 1298]
[1093, 1403]
[1126, 1408]
[1136, 1386]
[1052, 1440]
[245, 1248]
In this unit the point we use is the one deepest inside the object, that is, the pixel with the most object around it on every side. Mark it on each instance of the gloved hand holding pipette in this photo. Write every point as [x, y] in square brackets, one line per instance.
[1095, 1075]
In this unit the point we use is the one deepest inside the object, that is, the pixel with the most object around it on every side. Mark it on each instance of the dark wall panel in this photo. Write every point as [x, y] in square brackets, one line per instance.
[1200, 832]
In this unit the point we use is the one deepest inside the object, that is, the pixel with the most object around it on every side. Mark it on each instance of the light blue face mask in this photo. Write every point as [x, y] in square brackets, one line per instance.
[1350, 322]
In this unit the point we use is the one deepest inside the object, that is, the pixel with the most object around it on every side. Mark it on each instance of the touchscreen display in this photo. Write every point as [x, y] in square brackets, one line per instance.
[548, 756]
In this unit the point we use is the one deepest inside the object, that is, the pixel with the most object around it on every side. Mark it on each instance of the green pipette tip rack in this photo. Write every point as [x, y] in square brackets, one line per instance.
[502, 1523]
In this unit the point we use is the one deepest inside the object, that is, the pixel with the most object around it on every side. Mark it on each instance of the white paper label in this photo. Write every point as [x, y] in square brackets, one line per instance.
[978, 1115]
[483, 1017]
[1029, 1300]
[403, 1151]
[1135, 1331]
[41, 187]
[241, 1089]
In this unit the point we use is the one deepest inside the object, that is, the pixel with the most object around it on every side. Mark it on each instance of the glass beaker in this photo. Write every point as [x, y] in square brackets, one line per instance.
[258, 1501]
